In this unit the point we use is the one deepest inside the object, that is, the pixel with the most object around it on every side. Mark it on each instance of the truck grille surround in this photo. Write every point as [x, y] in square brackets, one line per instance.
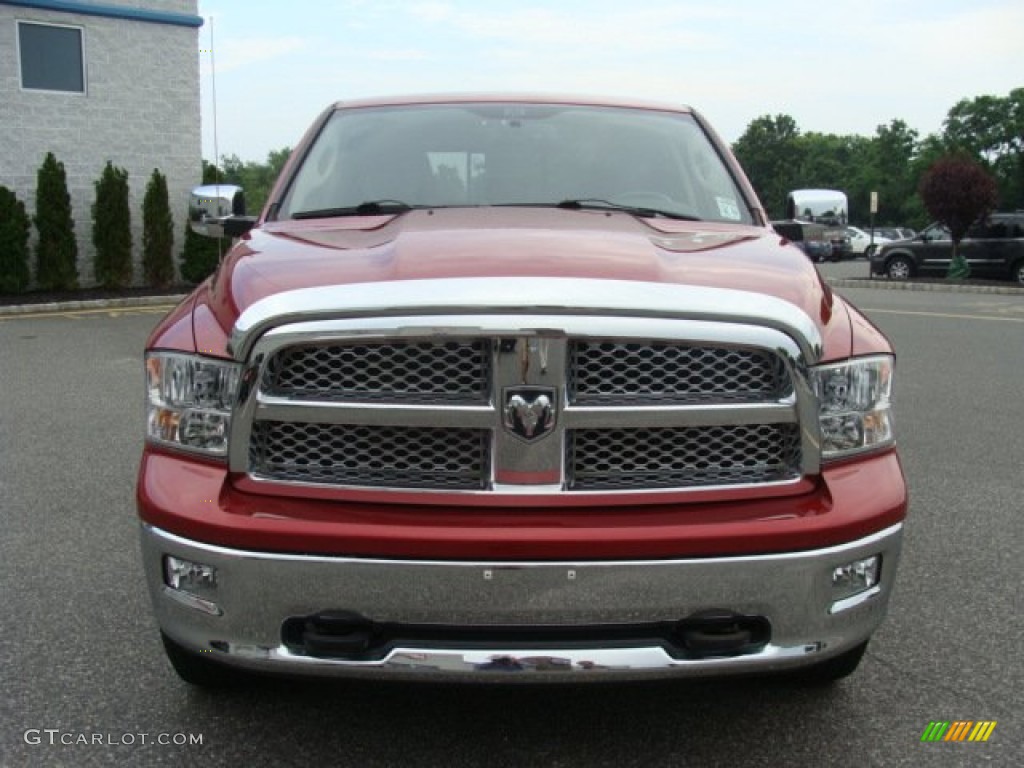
[549, 410]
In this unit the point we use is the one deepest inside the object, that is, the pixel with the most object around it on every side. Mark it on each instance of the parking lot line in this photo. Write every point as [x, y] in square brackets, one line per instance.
[109, 311]
[943, 315]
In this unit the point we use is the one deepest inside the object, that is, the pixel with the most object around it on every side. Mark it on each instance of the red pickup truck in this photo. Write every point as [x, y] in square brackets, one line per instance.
[503, 384]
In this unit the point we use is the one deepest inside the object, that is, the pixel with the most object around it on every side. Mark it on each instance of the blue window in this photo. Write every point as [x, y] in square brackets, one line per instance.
[51, 57]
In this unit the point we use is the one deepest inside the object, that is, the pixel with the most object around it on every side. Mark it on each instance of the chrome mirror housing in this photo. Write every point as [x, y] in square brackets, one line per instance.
[212, 206]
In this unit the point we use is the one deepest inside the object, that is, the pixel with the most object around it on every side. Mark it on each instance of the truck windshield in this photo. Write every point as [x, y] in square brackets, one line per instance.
[390, 159]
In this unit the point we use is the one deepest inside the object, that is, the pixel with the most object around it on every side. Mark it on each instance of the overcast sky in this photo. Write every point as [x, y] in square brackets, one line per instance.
[836, 67]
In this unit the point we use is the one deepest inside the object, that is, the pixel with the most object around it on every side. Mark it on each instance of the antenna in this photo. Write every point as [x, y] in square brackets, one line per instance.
[213, 89]
[216, 149]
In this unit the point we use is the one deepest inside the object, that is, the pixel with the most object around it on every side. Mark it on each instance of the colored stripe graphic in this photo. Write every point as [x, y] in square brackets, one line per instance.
[958, 730]
[982, 731]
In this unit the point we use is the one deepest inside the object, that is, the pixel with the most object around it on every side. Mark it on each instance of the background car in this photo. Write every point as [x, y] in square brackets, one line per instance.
[808, 237]
[862, 243]
[827, 207]
[993, 248]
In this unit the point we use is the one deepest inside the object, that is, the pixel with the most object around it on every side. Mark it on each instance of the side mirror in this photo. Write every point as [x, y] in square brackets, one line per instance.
[218, 210]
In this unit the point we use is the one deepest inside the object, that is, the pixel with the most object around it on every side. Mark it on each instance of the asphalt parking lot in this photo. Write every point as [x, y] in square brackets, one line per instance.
[81, 658]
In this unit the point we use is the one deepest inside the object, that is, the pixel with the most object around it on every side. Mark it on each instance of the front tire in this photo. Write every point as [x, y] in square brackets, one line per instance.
[198, 671]
[899, 268]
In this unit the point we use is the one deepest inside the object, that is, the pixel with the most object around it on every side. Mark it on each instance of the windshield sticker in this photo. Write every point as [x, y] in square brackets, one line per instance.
[728, 209]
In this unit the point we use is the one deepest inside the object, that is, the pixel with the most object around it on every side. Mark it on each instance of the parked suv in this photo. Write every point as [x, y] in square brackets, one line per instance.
[993, 248]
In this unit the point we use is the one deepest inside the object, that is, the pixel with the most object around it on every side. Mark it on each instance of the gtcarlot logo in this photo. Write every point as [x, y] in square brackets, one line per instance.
[55, 737]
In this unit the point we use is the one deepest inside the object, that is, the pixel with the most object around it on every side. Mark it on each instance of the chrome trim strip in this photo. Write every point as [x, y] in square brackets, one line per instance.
[378, 414]
[545, 662]
[854, 600]
[641, 416]
[836, 552]
[505, 295]
[530, 325]
[193, 601]
[516, 493]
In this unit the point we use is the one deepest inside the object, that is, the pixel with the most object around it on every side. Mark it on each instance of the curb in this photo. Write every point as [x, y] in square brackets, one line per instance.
[73, 306]
[884, 284]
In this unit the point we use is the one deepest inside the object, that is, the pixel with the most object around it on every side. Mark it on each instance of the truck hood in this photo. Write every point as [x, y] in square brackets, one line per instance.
[539, 245]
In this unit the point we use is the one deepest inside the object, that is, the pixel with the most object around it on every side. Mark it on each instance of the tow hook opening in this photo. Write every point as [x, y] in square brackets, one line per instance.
[332, 633]
[722, 633]
[341, 634]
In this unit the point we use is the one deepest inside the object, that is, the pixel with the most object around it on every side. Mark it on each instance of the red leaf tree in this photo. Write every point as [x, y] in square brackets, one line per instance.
[958, 192]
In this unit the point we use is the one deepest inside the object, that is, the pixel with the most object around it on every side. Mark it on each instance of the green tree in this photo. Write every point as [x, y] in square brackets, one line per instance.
[771, 153]
[890, 158]
[929, 151]
[14, 230]
[200, 255]
[111, 229]
[957, 191]
[778, 158]
[257, 179]
[56, 248]
[828, 161]
[157, 233]
[824, 161]
[991, 129]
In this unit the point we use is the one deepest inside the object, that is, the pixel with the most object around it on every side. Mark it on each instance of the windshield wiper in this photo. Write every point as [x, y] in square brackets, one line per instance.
[367, 208]
[598, 204]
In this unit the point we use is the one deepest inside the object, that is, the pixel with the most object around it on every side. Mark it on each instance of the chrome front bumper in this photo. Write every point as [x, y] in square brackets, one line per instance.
[257, 592]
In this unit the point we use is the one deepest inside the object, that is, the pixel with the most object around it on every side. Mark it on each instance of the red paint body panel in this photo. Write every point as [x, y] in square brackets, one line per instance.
[195, 500]
[523, 242]
[175, 330]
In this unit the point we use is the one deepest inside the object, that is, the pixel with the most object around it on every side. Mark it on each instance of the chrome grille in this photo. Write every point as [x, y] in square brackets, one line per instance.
[406, 371]
[605, 371]
[374, 456]
[620, 459]
[656, 408]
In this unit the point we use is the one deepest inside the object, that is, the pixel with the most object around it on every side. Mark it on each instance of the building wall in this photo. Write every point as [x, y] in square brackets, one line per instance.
[140, 111]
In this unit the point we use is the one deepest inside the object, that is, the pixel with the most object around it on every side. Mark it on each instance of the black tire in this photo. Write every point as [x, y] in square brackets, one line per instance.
[899, 268]
[870, 251]
[831, 670]
[195, 670]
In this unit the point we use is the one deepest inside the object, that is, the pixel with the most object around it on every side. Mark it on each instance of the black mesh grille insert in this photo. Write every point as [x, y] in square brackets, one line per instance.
[376, 456]
[608, 372]
[401, 371]
[621, 459]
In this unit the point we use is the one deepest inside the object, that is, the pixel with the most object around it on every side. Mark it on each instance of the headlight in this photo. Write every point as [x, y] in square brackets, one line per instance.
[189, 401]
[855, 400]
